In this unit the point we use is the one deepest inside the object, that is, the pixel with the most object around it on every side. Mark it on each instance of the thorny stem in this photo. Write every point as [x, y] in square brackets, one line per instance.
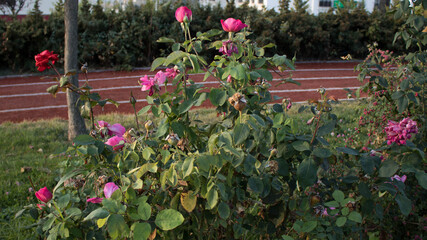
[54, 68]
[197, 54]
[92, 120]
[31, 182]
[136, 117]
[317, 127]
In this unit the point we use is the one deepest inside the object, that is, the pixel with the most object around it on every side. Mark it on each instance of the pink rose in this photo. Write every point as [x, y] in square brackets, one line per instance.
[109, 189]
[115, 142]
[399, 178]
[153, 83]
[94, 200]
[117, 129]
[44, 195]
[171, 72]
[181, 12]
[232, 25]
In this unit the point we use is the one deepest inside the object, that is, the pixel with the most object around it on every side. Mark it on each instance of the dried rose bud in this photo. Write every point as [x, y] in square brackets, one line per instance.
[172, 139]
[314, 200]
[149, 125]
[182, 143]
[310, 121]
[274, 166]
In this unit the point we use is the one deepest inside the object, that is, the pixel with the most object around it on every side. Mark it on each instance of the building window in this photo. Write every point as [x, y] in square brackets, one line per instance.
[325, 3]
[240, 1]
[260, 1]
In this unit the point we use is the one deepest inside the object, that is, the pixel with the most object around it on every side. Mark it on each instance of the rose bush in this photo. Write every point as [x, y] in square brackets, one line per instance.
[251, 175]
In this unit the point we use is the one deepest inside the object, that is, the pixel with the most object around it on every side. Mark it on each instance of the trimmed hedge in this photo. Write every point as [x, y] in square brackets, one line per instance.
[127, 38]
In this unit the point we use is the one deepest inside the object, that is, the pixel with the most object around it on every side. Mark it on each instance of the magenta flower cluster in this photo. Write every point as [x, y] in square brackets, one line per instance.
[153, 83]
[400, 132]
[115, 130]
[228, 48]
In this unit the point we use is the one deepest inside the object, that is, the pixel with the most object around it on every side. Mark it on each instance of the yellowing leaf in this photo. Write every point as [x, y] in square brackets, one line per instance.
[188, 201]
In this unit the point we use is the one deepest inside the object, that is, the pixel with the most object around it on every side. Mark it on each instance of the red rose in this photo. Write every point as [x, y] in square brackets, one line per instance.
[42, 60]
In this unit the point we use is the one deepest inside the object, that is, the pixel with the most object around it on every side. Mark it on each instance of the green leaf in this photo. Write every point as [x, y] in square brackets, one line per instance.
[307, 172]
[404, 203]
[212, 199]
[117, 226]
[322, 152]
[176, 47]
[402, 104]
[347, 150]
[141, 231]
[388, 168]
[326, 128]
[256, 185]
[97, 214]
[355, 217]
[53, 90]
[187, 167]
[63, 201]
[240, 133]
[223, 210]
[338, 195]
[309, 226]
[165, 40]
[165, 108]
[287, 238]
[185, 106]
[173, 57]
[194, 63]
[368, 164]
[169, 219]
[144, 211]
[217, 97]
[157, 63]
[341, 221]
[345, 211]
[163, 129]
[152, 167]
[301, 146]
[334, 204]
[83, 140]
[265, 74]
[67, 176]
[422, 178]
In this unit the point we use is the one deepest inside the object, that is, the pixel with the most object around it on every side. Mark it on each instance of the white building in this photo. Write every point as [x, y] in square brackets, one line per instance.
[314, 6]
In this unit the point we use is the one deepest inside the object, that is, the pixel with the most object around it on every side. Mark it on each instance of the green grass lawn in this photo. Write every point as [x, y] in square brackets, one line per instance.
[30, 150]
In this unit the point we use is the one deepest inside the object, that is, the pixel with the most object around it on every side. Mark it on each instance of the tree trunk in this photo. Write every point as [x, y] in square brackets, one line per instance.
[76, 124]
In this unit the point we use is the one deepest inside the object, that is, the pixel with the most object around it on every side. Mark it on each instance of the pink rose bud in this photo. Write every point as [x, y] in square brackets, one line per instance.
[109, 189]
[44, 195]
[232, 25]
[183, 12]
[229, 79]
